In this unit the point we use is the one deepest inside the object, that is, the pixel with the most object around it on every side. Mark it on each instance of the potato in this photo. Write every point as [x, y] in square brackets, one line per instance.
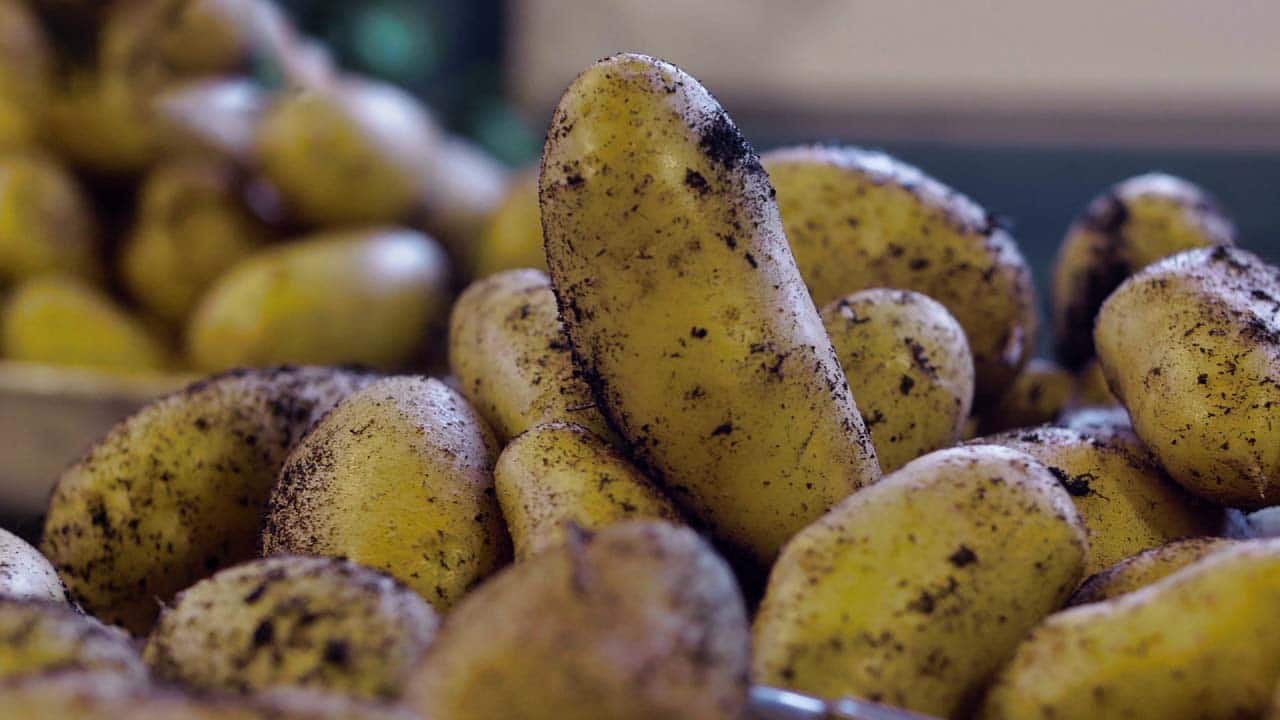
[177, 491]
[1127, 502]
[361, 296]
[1091, 387]
[399, 477]
[1201, 643]
[39, 636]
[1146, 568]
[104, 122]
[859, 219]
[26, 70]
[509, 351]
[46, 224]
[25, 573]
[909, 367]
[351, 153]
[1092, 417]
[155, 41]
[292, 621]
[1131, 225]
[557, 479]
[685, 308]
[915, 590]
[65, 321]
[641, 620]
[513, 237]
[193, 227]
[464, 186]
[1040, 393]
[1191, 346]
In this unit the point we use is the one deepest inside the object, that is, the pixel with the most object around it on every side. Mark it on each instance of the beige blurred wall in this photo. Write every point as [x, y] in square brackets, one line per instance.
[1182, 71]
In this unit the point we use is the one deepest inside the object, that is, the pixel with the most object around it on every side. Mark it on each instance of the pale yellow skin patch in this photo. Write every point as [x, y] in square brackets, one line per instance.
[1146, 567]
[513, 237]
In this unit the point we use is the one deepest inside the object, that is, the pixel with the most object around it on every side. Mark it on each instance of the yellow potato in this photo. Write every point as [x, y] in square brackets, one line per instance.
[363, 296]
[1131, 225]
[46, 223]
[686, 310]
[639, 621]
[1191, 346]
[909, 367]
[558, 478]
[513, 237]
[859, 219]
[464, 186]
[1201, 643]
[104, 122]
[26, 68]
[399, 477]
[1146, 567]
[293, 622]
[39, 636]
[157, 40]
[914, 591]
[65, 321]
[1127, 502]
[1038, 395]
[512, 360]
[177, 491]
[25, 573]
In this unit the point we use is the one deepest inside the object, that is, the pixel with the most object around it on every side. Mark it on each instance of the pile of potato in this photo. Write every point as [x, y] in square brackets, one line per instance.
[726, 439]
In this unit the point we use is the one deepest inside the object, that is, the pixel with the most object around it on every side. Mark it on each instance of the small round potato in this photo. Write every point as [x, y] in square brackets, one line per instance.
[1146, 568]
[909, 368]
[39, 636]
[513, 237]
[46, 224]
[293, 621]
[1037, 396]
[104, 122]
[557, 478]
[25, 573]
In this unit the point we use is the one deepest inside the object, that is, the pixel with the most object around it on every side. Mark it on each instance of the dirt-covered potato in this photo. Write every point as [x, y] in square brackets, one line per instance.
[353, 152]
[192, 227]
[1036, 396]
[25, 573]
[686, 310]
[1126, 500]
[639, 621]
[1131, 225]
[399, 477]
[177, 491]
[368, 297]
[40, 636]
[1202, 643]
[293, 621]
[513, 237]
[909, 367]
[1191, 346]
[914, 591]
[557, 479]
[46, 224]
[1146, 568]
[510, 354]
[858, 219]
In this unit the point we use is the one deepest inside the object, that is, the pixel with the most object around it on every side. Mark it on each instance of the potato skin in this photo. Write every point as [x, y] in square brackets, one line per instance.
[511, 356]
[686, 310]
[557, 479]
[293, 621]
[1127, 502]
[1146, 568]
[177, 491]
[513, 236]
[46, 222]
[855, 217]
[909, 367]
[915, 590]
[342, 297]
[1201, 643]
[399, 477]
[38, 636]
[1134, 223]
[26, 574]
[641, 620]
[1191, 346]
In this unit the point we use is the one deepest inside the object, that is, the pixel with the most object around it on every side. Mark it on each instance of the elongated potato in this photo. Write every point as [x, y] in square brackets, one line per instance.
[558, 478]
[909, 367]
[346, 297]
[399, 477]
[1146, 568]
[293, 621]
[25, 573]
[508, 349]
[38, 636]
[686, 310]
[641, 620]
[1191, 346]
[859, 219]
[1131, 225]
[915, 590]
[1201, 643]
[177, 491]
[46, 224]
[1127, 502]
[513, 237]
[1038, 395]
